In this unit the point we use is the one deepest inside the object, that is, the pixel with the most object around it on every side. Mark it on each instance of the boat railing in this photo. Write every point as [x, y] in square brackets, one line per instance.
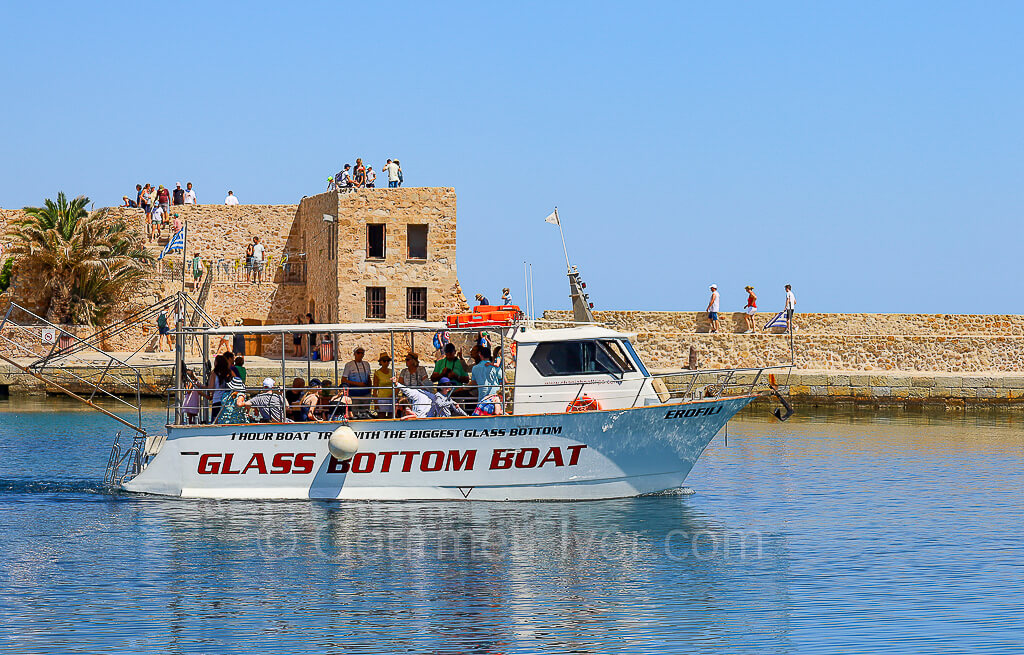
[684, 385]
[123, 465]
[690, 384]
[75, 366]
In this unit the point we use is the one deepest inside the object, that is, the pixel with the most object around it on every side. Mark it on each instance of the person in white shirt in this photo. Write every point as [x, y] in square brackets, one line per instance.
[156, 219]
[391, 168]
[371, 177]
[713, 306]
[231, 199]
[190, 195]
[790, 307]
[258, 259]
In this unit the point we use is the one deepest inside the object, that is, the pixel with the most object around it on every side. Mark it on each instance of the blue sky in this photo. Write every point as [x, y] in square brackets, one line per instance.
[868, 153]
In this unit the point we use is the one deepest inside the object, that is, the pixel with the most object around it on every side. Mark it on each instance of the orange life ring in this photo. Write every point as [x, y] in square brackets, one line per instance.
[583, 404]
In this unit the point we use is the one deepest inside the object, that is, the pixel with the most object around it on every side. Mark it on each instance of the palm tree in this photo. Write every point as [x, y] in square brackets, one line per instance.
[93, 261]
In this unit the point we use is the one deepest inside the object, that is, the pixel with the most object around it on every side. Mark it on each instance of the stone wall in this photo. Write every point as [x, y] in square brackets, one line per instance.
[339, 259]
[843, 342]
[337, 269]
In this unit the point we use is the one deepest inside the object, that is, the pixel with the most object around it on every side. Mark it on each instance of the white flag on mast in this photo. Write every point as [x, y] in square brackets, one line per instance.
[552, 218]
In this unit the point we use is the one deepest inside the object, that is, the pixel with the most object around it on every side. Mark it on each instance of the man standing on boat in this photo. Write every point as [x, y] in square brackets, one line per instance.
[713, 308]
[356, 375]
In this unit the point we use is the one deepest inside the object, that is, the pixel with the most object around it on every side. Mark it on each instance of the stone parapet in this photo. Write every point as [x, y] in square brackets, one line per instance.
[664, 340]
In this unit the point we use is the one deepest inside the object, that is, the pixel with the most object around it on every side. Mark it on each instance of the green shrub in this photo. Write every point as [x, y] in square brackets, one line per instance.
[5, 274]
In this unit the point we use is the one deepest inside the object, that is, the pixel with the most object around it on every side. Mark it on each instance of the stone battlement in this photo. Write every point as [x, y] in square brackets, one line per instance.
[948, 343]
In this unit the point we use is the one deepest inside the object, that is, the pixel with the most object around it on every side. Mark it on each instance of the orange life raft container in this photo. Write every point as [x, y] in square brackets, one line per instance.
[486, 316]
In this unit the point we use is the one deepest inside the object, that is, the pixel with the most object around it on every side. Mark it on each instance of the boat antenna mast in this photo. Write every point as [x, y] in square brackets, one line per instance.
[581, 305]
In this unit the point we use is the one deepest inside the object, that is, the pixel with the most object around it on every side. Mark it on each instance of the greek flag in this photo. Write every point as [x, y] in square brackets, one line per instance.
[177, 242]
[778, 321]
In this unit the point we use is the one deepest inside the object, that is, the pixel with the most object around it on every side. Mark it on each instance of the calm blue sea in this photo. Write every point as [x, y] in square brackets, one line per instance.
[835, 532]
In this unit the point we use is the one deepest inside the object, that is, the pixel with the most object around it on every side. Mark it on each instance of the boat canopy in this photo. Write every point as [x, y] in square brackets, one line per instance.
[538, 335]
[307, 328]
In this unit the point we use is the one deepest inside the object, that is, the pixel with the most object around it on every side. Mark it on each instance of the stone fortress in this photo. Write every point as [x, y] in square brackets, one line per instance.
[390, 255]
[372, 255]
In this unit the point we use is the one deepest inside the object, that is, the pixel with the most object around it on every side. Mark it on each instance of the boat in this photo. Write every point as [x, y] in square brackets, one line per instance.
[579, 417]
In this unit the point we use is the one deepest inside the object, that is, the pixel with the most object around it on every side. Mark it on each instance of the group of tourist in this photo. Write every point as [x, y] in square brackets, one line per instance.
[225, 390]
[364, 177]
[749, 310]
[455, 387]
[255, 260]
[156, 203]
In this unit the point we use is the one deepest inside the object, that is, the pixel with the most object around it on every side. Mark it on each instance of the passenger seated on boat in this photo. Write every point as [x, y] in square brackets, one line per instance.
[267, 404]
[450, 367]
[309, 407]
[233, 404]
[427, 404]
[294, 398]
[330, 398]
[414, 375]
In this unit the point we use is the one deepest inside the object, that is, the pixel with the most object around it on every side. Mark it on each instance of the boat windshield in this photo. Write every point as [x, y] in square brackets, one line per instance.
[580, 357]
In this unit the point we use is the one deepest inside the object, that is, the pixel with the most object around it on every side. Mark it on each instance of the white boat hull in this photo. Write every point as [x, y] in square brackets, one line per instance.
[582, 456]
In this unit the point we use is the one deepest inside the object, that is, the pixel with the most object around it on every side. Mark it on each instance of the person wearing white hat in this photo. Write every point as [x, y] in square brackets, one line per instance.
[233, 404]
[269, 403]
[713, 307]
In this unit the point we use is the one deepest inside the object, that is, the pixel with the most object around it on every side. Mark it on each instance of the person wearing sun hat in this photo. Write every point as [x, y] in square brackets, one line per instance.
[233, 403]
[356, 375]
[268, 403]
[382, 385]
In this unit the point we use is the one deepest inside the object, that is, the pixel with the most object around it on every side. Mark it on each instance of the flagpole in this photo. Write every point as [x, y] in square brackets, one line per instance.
[558, 222]
[184, 248]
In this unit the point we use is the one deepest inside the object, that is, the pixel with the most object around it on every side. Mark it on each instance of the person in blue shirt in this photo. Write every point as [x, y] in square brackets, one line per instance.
[486, 375]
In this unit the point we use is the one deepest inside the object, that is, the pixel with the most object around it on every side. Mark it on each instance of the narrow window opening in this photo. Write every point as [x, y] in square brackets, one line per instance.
[375, 242]
[418, 242]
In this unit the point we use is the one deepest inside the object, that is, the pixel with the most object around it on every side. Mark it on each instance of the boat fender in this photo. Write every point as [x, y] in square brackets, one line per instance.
[343, 443]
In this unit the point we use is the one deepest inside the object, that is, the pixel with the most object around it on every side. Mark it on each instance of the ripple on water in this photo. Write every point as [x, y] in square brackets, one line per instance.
[824, 534]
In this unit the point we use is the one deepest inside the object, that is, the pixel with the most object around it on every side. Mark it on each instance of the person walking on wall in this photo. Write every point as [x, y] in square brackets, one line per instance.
[713, 308]
[401, 178]
[190, 195]
[790, 307]
[371, 178]
[750, 309]
[231, 199]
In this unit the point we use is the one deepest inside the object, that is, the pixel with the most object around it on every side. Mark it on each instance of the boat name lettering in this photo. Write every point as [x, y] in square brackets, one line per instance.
[428, 461]
[693, 411]
[279, 464]
[277, 436]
